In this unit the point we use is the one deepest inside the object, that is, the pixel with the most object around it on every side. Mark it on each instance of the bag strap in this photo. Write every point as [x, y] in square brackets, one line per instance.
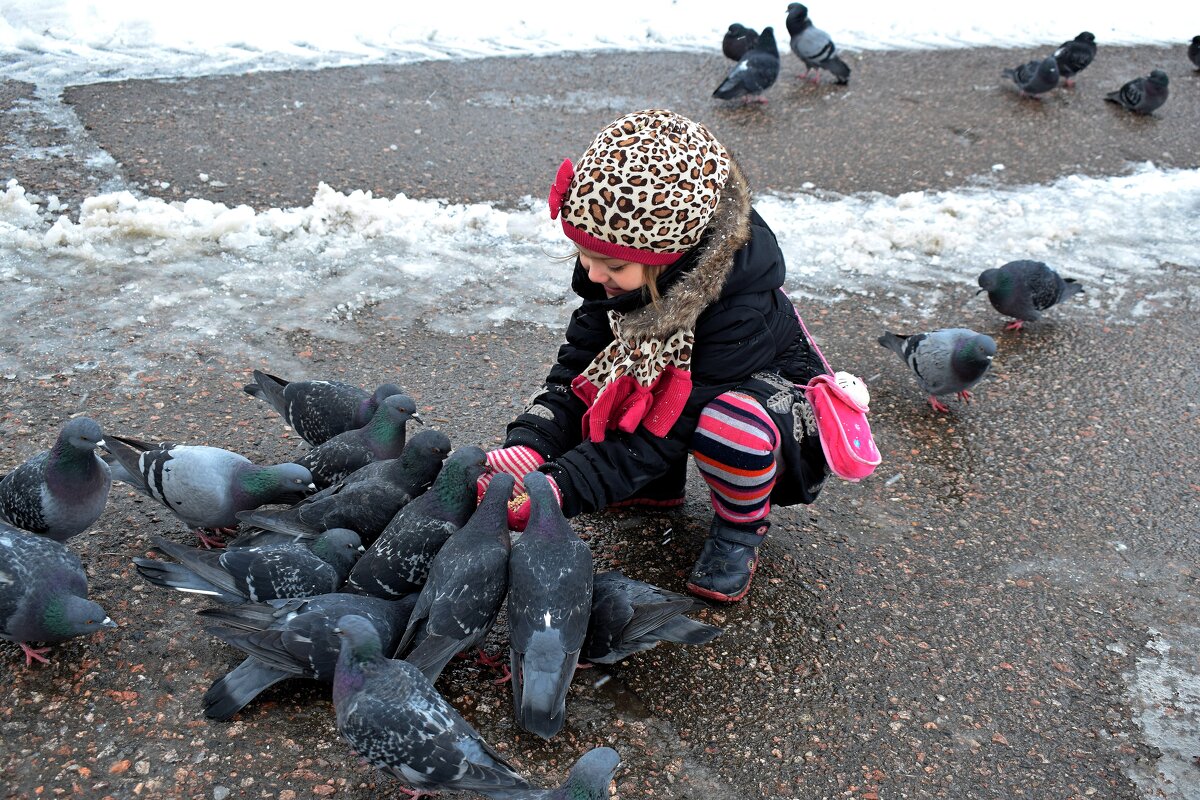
[808, 335]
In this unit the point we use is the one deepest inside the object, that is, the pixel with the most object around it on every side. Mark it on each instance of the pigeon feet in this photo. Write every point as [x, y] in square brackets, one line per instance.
[496, 662]
[938, 405]
[34, 654]
[965, 396]
[1015, 325]
[209, 542]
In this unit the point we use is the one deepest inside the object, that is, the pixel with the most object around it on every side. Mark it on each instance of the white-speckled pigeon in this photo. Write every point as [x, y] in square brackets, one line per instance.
[754, 73]
[395, 719]
[465, 590]
[367, 499]
[1142, 95]
[256, 573]
[1034, 77]
[60, 492]
[43, 593]
[291, 639]
[814, 46]
[204, 486]
[381, 438]
[737, 41]
[945, 361]
[1024, 289]
[549, 603]
[398, 562]
[319, 410]
[630, 616]
[589, 779]
[1074, 56]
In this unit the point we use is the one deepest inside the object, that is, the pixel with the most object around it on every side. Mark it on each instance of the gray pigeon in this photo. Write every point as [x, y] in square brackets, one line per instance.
[60, 492]
[813, 46]
[256, 574]
[1024, 289]
[1194, 51]
[945, 361]
[630, 616]
[291, 638]
[380, 439]
[367, 499]
[204, 486]
[1034, 77]
[43, 593]
[589, 779]
[1142, 95]
[467, 582]
[396, 720]
[737, 41]
[319, 410]
[399, 561]
[549, 603]
[1073, 57]
[754, 73]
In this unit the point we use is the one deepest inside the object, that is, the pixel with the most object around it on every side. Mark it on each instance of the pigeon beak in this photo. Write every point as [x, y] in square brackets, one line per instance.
[100, 443]
[311, 487]
[362, 549]
[981, 291]
[417, 417]
[108, 623]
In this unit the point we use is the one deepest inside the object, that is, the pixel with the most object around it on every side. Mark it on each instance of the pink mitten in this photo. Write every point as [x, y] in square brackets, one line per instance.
[517, 461]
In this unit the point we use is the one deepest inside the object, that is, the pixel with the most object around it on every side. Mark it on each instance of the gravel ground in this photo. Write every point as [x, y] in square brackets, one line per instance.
[985, 617]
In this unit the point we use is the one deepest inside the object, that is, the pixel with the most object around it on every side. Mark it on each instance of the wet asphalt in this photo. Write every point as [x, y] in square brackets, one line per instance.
[1006, 608]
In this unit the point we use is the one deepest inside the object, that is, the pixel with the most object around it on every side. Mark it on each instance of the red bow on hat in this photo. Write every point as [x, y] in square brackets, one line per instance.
[558, 189]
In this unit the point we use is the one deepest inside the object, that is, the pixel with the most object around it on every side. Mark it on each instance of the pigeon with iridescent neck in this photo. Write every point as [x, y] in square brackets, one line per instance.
[43, 593]
[589, 779]
[1024, 289]
[60, 492]
[1142, 95]
[946, 361]
[381, 438]
[319, 410]
[1034, 77]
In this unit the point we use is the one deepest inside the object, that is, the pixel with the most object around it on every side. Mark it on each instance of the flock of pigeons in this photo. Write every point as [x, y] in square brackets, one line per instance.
[383, 565]
[757, 64]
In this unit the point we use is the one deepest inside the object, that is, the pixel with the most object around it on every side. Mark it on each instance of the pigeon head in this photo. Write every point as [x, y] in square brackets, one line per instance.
[385, 391]
[797, 18]
[339, 547]
[276, 481]
[995, 280]
[67, 615]
[1158, 78]
[592, 774]
[766, 41]
[459, 474]
[81, 434]
[396, 410]
[428, 446]
[360, 640]
[972, 354]
[1086, 36]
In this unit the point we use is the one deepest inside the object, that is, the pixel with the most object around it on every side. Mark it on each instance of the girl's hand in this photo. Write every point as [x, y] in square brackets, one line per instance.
[517, 461]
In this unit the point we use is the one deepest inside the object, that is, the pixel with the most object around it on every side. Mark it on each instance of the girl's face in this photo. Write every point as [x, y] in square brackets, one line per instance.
[615, 275]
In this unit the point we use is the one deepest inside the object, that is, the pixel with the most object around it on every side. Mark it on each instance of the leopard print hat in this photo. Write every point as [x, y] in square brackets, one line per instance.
[645, 189]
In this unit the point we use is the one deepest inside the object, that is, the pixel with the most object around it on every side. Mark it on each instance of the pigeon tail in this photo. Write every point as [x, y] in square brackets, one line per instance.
[248, 617]
[230, 693]
[840, 69]
[181, 579]
[1071, 287]
[279, 522]
[893, 342]
[684, 630]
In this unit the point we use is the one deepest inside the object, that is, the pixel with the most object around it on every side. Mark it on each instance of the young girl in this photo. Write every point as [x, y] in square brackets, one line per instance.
[684, 342]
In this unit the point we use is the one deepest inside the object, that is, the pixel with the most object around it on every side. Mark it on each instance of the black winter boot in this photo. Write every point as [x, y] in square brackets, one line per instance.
[726, 564]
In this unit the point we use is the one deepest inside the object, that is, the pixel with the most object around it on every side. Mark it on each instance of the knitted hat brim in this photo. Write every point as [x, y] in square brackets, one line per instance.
[604, 247]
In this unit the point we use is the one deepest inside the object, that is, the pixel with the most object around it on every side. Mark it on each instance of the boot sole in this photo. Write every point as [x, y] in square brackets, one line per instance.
[709, 594]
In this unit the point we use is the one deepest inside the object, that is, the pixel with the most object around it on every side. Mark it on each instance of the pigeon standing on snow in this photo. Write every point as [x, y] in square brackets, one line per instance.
[630, 616]
[291, 639]
[1024, 289]
[1194, 52]
[1034, 77]
[367, 499]
[204, 486]
[738, 40]
[256, 574]
[466, 586]
[381, 438]
[394, 718]
[60, 492]
[754, 73]
[549, 603]
[813, 46]
[319, 410]
[945, 361]
[1142, 95]
[43, 593]
[1073, 57]
[398, 562]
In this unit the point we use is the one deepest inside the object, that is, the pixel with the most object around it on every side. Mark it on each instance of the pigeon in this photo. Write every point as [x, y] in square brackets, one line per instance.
[1194, 51]
[738, 39]
[467, 582]
[256, 574]
[1034, 77]
[1073, 57]
[399, 561]
[589, 779]
[1142, 95]
[291, 638]
[43, 593]
[367, 499]
[549, 604]
[204, 486]
[630, 616]
[1024, 289]
[319, 410]
[813, 46]
[381, 438]
[945, 361]
[396, 720]
[60, 492]
[754, 73]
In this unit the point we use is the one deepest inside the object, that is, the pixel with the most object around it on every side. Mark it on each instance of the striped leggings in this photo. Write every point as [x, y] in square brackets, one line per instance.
[734, 450]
